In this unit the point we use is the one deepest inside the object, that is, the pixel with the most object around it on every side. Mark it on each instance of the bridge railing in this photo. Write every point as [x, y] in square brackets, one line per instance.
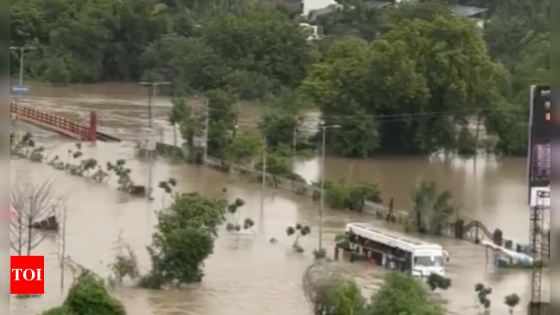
[56, 122]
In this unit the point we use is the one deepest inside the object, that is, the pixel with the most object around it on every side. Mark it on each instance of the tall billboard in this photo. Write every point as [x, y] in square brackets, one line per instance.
[539, 145]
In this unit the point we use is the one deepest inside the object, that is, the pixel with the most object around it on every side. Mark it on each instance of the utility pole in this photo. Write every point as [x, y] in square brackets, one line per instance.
[264, 172]
[206, 130]
[294, 143]
[323, 178]
[151, 147]
[22, 50]
[63, 248]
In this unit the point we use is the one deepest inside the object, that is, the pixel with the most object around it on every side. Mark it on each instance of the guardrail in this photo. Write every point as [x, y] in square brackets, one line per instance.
[56, 123]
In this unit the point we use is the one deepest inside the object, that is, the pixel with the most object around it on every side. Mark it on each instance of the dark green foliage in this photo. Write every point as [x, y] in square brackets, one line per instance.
[88, 295]
[297, 232]
[358, 84]
[436, 282]
[432, 208]
[483, 294]
[344, 196]
[398, 80]
[403, 295]
[512, 301]
[184, 240]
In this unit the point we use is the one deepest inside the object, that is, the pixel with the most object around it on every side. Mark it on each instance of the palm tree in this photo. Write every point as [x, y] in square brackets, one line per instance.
[431, 207]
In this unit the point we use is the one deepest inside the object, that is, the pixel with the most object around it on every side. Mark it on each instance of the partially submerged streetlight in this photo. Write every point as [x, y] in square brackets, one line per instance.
[22, 50]
[151, 143]
[324, 129]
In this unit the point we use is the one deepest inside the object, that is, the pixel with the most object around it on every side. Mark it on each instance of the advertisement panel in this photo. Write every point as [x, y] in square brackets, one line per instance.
[539, 145]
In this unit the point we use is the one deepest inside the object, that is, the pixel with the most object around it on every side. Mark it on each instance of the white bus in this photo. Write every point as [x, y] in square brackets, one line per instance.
[397, 251]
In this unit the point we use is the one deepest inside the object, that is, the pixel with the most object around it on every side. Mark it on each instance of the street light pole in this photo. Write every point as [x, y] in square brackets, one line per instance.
[21, 50]
[323, 178]
[206, 130]
[264, 172]
[152, 134]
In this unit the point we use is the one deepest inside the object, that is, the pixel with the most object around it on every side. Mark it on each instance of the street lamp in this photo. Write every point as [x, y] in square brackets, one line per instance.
[151, 142]
[324, 129]
[154, 92]
[21, 50]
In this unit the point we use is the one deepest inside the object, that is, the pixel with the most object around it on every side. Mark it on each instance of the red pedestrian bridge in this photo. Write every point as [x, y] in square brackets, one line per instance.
[59, 124]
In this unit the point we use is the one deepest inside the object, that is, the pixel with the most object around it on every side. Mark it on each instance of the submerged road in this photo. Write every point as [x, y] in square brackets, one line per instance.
[250, 275]
[246, 275]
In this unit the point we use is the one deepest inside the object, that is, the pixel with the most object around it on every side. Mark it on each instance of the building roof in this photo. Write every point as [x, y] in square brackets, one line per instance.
[467, 11]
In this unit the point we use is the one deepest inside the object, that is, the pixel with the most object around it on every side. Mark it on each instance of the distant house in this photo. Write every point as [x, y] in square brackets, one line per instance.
[474, 13]
[313, 31]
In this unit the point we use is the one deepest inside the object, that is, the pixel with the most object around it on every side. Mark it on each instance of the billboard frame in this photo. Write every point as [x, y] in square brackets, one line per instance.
[534, 191]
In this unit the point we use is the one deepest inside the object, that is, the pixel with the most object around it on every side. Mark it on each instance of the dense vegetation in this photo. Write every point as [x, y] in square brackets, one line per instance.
[412, 79]
[88, 296]
[400, 294]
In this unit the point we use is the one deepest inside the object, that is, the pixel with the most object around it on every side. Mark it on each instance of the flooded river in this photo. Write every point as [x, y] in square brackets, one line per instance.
[250, 275]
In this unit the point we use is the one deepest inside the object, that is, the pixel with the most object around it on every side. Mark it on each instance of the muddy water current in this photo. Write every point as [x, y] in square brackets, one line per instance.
[248, 275]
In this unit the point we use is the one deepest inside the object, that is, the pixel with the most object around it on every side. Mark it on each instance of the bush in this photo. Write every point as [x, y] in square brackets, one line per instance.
[88, 295]
[402, 294]
[343, 196]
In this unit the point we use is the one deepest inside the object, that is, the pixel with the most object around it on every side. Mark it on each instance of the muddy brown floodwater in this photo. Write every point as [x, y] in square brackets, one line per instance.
[248, 275]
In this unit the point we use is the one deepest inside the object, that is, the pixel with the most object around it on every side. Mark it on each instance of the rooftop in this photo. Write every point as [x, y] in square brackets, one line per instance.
[467, 11]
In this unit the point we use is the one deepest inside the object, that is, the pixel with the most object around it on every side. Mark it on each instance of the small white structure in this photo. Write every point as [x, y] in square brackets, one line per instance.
[148, 140]
[312, 29]
[419, 258]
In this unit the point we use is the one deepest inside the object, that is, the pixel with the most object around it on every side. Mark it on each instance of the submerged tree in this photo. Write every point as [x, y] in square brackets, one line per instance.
[184, 239]
[431, 207]
[483, 294]
[436, 282]
[234, 224]
[512, 301]
[88, 295]
[177, 115]
[344, 196]
[33, 203]
[298, 231]
[331, 290]
[401, 294]
[26, 147]
[125, 264]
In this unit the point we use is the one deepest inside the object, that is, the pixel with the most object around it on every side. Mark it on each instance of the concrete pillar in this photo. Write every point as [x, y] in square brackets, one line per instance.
[92, 135]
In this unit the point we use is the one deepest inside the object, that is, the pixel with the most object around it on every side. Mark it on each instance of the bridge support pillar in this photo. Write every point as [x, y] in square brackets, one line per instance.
[92, 136]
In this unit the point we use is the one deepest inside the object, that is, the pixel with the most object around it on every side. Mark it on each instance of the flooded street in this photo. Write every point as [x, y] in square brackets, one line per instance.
[249, 275]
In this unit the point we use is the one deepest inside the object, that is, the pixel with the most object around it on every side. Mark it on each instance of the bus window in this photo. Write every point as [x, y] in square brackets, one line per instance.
[428, 261]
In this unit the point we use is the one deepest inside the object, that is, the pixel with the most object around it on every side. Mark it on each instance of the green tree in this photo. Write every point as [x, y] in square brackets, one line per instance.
[483, 294]
[184, 240]
[436, 282]
[297, 232]
[340, 299]
[401, 294]
[262, 42]
[281, 122]
[178, 116]
[88, 295]
[344, 196]
[431, 207]
[512, 301]
[245, 147]
[188, 63]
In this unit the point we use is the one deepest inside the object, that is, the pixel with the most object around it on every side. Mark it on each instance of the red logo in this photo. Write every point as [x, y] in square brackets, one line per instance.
[27, 275]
